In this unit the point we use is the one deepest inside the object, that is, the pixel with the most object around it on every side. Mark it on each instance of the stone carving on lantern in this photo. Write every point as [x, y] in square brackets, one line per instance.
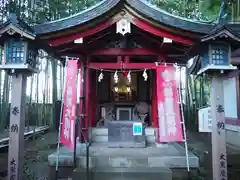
[123, 26]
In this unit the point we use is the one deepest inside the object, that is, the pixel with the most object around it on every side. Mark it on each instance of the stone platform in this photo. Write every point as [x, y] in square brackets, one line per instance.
[169, 156]
[123, 173]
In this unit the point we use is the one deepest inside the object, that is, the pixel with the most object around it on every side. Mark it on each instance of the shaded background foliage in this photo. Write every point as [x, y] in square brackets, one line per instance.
[38, 11]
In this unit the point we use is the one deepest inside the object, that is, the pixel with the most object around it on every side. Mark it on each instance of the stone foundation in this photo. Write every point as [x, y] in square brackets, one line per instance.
[171, 156]
[124, 173]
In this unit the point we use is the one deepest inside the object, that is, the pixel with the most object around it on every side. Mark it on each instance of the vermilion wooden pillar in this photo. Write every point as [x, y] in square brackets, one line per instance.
[92, 98]
[154, 101]
[81, 87]
[87, 102]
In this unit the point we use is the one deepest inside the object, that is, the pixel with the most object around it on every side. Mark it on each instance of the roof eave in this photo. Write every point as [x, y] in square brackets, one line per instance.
[78, 19]
[225, 33]
[168, 19]
[155, 14]
[12, 29]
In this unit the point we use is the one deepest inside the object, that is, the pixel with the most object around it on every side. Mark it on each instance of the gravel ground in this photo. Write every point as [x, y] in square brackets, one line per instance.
[200, 143]
[36, 157]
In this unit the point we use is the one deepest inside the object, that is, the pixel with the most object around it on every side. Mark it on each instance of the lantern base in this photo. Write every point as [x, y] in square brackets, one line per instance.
[18, 68]
[209, 69]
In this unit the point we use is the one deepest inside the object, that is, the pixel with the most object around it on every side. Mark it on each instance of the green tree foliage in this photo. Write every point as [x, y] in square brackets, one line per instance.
[202, 10]
[57, 9]
[38, 11]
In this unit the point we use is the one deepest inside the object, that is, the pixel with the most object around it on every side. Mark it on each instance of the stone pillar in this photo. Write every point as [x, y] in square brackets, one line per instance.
[219, 157]
[17, 127]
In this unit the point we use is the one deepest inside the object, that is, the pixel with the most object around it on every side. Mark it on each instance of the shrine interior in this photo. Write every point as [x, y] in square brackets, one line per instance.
[121, 100]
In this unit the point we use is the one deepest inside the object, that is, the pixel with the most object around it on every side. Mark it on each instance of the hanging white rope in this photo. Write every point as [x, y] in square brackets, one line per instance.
[123, 69]
[119, 71]
[116, 77]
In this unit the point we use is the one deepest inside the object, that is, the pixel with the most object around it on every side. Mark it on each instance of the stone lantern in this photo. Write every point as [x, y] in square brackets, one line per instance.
[19, 55]
[215, 57]
[20, 50]
[19, 60]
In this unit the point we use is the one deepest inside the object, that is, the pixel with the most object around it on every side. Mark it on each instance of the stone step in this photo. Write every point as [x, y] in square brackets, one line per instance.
[170, 156]
[137, 162]
[144, 173]
[104, 131]
[101, 135]
[104, 139]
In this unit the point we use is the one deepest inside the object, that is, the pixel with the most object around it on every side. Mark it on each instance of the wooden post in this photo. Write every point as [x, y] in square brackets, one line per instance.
[81, 104]
[17, 127]
[219, 157]
[154, 101]
[86, 103]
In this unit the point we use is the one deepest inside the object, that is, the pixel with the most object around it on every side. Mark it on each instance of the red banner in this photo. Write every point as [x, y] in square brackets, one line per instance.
[69, 106]
[169, 120]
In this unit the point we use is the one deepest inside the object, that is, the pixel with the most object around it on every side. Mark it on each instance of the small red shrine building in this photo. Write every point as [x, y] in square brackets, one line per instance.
[120, 45]
[115, 37]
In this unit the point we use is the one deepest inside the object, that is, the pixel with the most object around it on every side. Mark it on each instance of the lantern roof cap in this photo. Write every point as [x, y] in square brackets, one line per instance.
[221, 31]
[14, 25]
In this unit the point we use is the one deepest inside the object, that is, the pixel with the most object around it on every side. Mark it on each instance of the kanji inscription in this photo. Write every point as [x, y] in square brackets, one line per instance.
[170, 128]
[220, 109]
[13, 169]
[219, 156]
[14, 128]
[220, 126]
[69, 111]
[15, 111]
[223, 167]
